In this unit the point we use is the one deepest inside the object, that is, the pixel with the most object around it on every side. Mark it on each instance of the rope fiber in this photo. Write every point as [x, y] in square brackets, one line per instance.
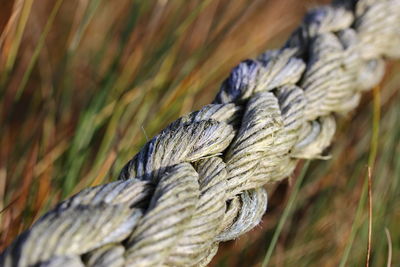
[200, 181]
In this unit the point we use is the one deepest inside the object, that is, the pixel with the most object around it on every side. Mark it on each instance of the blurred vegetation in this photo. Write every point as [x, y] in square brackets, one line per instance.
[84, 84]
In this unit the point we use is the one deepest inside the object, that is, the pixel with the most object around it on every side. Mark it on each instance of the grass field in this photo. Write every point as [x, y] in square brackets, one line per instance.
[84, 84]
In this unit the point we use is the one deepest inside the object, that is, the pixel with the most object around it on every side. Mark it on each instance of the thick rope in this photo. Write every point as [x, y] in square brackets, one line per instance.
[200, 181]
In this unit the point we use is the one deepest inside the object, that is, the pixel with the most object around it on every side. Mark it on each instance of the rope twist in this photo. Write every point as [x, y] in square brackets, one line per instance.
[200, 181]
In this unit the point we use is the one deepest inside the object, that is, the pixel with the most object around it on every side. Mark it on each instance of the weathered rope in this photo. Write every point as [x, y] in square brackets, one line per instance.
[200, 181]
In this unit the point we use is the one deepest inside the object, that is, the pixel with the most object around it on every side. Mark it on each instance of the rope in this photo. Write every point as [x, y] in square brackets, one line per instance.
[200, 181]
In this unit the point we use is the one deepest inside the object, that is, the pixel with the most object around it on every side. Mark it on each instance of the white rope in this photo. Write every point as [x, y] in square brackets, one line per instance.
[200, 181]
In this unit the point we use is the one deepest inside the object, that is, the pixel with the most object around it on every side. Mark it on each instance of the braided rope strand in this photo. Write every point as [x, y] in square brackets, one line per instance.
[200, 181]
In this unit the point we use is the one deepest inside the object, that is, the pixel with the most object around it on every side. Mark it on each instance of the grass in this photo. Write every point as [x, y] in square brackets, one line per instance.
[285, 215]
[84, 84]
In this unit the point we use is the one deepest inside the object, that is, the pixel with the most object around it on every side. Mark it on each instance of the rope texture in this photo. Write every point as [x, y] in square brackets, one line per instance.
[200, 181]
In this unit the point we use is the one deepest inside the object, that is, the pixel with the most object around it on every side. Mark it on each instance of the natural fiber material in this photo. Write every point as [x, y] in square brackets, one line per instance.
[200, 181]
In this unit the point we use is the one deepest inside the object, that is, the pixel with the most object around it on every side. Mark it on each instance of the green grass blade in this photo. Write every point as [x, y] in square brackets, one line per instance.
[371, 162]
[286, 214]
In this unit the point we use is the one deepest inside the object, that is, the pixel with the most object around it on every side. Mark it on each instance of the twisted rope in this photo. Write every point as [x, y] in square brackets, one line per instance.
[200, 181]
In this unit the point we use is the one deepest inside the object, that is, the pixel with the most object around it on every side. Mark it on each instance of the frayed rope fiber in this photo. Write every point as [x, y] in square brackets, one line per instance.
[200, 181]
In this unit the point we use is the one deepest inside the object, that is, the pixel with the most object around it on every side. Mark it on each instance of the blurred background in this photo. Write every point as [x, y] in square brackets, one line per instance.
[84, 84]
